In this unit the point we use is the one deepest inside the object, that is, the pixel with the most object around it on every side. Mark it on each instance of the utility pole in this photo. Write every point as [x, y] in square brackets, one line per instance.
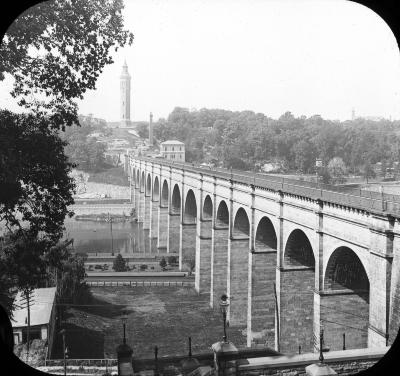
[26, 299]
[277, 318]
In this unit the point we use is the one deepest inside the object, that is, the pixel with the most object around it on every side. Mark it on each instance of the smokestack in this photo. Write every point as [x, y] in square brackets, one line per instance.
[151, 130]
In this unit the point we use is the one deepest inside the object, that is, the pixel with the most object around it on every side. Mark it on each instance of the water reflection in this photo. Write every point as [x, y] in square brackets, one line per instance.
[124, 237]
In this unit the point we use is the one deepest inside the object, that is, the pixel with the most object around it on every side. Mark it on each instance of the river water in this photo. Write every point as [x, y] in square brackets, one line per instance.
[123, 237]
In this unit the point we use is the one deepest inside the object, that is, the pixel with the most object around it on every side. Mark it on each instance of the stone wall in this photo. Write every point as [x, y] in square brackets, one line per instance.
[220, 265]
[263, 300]
[345, 313]
[239, 253]
[347, 362]
[187, 244]
[173, 233]
[296, 310]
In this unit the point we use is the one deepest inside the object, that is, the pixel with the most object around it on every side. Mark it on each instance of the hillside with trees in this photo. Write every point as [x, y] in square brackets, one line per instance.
[245, 139]
[83, 151]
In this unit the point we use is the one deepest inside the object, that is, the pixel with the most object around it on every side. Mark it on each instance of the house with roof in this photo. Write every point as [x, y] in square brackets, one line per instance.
[173, 150]
[42, 315]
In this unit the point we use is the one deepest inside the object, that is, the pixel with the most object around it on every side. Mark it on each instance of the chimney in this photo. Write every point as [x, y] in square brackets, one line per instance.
[151, 130]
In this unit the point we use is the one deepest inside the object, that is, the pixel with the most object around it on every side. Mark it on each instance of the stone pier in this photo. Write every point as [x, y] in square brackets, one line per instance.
[146, 215]
[261, 318]
[187, 245]
[174, 224]
[162, 238]
[219, 264]
[238, 248]
[153, 233]
[203, 256]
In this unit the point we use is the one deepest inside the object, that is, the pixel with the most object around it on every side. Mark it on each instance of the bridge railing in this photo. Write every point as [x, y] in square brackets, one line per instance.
[357, 198]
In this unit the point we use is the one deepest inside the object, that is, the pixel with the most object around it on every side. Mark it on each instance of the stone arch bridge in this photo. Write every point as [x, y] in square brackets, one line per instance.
[289, 254]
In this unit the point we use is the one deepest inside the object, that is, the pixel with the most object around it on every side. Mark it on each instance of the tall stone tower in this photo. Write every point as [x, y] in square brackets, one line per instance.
[125, 85]
[151, 130]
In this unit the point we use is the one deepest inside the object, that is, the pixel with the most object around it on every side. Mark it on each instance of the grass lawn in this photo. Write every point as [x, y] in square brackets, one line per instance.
[162, 316]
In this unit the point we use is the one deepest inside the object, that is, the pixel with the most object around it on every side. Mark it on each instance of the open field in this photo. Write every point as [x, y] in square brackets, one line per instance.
[162, 316]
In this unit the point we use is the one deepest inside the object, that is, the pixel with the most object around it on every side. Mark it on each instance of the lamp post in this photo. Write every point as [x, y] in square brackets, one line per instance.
[124, 353]
[224, 304]
[224, 350]
[321, 368]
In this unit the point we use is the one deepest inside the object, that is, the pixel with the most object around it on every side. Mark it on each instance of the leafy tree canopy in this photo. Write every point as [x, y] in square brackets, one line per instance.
[244, 139]
[56, 50]
[119, 263]
[36, 189]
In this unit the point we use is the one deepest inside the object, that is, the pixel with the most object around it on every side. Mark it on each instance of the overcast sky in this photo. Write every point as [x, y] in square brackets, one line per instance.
[308, 57]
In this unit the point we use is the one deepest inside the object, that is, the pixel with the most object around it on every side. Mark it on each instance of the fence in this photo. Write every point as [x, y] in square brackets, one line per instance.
[365, 200]
[250, 362]
[140, 283]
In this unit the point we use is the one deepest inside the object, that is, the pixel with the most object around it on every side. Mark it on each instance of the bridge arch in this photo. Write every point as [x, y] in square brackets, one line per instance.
[345, 304]
[190, 212]
[207, 208]
[176, 199]
[164, 194]
[265, 235]
[345, 270]
[298, 250]
[222, 214]
[148, 185]
[156, 189]
[241, 223]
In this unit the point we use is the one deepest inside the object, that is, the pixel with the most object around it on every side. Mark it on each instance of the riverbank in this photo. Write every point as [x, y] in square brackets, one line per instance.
[115, 218]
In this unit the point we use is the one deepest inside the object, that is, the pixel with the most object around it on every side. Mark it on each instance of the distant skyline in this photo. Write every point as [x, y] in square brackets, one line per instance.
[309, 57]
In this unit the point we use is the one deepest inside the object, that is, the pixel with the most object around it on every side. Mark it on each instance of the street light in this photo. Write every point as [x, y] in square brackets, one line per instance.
[224, 304]
[224, 350]
[124, 353]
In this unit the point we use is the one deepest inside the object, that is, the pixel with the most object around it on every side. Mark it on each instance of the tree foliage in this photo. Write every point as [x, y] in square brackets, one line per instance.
[84, 152]
[56, 50]
[71, 280]
[119, 264]
[172, 260]
[36, 189]
[53, 52]
[337, 169]
[243, 139]
[163, 263]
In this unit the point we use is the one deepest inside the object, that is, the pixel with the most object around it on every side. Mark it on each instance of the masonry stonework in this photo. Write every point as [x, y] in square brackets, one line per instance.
[329, 220]
[162, 235]
[203, 257]
[220, 265]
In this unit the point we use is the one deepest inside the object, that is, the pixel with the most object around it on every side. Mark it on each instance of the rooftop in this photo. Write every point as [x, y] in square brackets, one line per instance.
[172, 142]
[41, 305]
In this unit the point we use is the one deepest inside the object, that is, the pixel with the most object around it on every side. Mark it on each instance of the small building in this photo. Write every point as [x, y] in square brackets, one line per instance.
[173, 150]
[42, 315]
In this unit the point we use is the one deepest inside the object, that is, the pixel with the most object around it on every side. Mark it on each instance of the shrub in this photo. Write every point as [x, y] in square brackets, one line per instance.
[119, 264]
[163, 263]
[172, 260]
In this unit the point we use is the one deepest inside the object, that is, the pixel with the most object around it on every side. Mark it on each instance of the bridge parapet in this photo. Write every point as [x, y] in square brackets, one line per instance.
[379, 203]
